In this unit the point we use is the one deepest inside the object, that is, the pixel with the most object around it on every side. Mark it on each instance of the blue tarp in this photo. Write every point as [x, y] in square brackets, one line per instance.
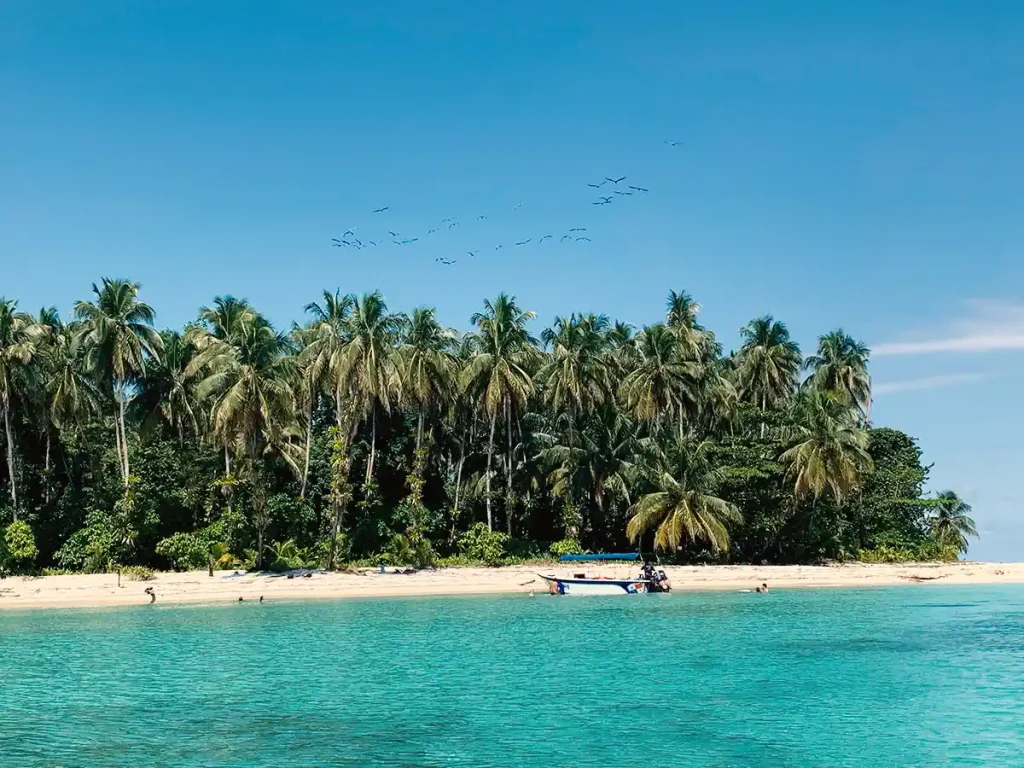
[609, 556]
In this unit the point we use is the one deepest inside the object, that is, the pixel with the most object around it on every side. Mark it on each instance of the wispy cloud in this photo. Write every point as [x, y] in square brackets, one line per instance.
[990, 325]
[925, 382]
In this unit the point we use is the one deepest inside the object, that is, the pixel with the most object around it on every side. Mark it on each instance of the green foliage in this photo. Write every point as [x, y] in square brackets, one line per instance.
[567, 547]
[191, 551]
[485, 546]
[928, 551]
[368, 435]
[137, 573]
[18, 547]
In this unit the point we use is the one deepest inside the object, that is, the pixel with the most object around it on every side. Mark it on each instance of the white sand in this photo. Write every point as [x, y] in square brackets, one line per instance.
[198, 587]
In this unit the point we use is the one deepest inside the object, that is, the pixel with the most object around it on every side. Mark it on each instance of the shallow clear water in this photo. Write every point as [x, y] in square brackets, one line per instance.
[924, 676]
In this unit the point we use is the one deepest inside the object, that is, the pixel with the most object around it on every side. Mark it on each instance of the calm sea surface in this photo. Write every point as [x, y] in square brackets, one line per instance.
[912, 676]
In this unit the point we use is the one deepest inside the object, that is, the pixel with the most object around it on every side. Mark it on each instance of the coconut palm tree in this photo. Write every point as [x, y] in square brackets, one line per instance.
[767, 364]
[247, 384]
[20, 335]
[663, 383]
[951, 523]
[841, 365]
[684, 507]
[681, 319]
[120, 339]
[366, 365]
[499, 373]
[426, 367]
[321, 353]
[829, 451]
[166, 392]
[577, 376]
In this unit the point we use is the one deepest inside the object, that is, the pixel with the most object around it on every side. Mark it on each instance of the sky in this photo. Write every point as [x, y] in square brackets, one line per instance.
[854, 165]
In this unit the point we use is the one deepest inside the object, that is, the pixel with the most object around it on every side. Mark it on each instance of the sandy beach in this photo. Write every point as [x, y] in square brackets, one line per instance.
[95, 590]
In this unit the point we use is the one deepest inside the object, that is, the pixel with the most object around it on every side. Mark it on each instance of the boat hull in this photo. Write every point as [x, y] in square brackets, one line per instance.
[577, 587]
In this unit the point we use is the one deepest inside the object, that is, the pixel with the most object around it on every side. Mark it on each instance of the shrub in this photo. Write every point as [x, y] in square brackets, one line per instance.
[928, 551]
[18, 547]
[137, 573]
[569, 546]
[191, 551]
[484, 546]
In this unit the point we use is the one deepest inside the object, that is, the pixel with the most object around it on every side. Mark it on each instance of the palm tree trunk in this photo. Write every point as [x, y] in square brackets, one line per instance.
[227, 475]
[373, 444]
[10, 457]
[490, 455]
[419, 430]
[309, 441]
[124, 433]
[47, 483]
[508, 469]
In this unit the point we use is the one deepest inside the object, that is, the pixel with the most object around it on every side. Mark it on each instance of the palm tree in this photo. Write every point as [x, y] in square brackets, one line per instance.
[602, 459]
[19, 337]
[684, 507]
[366, 364]
[167, 390]
[120, 339]
[305, 390]
[767, 364]
[829, 450]
[951, 523]
[246, 381]
[681, 319]
[841, 365]
[499, 375]
[426, 367]
[663, 383]
[577, 376]
[331, 333]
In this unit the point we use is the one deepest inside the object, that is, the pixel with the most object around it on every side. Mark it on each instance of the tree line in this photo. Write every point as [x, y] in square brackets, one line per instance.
[364, 434]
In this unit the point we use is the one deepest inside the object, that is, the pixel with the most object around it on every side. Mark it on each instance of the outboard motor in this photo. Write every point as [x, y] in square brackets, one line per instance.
[657, 579]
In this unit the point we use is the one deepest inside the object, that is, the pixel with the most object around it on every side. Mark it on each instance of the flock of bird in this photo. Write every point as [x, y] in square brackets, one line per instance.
[349, 238]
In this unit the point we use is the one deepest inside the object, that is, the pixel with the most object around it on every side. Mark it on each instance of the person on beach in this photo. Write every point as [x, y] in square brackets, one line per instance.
[152, 595]
[764, 587]
[261, 598]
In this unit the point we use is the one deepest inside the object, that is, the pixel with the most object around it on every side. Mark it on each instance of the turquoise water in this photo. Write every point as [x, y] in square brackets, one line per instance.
[923, 676]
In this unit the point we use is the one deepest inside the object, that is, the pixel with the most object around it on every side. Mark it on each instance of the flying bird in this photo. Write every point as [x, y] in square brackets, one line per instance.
[450, 218]
[381, 210]
[396, 242]
[583, 238]
[472, 253]
[393, 234]
[565, 237]
[524, 242]
[336, 245]
[673, 143]
[597, 186]
[373, 242]
[578, 229]
[410, 240]
[498, 247]
[624, 194]
[639, 189]
[431, 231]
[546, 237]
[615, 181]
[448, 261]
[602, 201]
[349, 231]
[453, 224]
[518, 206]
[479, 218]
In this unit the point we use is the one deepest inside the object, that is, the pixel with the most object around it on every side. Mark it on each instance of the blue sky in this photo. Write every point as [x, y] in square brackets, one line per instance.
[852, 164]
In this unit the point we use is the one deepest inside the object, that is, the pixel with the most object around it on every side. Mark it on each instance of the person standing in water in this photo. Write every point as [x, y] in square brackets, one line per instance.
[152, 595]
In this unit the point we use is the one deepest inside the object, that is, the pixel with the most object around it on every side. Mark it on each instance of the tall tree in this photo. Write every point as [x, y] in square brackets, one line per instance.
[951, 523]
[829, 451]
[367, 363]
[166, 391]
[331, 333]
[120, 336]
[577, 376]
[768, 363]
[663, 383]
[246, 380]
[681, 312]
[19, 337]
[841, 365]
[684, 507]
[426, 367]
[499, 374]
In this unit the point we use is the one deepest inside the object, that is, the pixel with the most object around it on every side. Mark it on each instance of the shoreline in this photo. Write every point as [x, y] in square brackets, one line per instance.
[101, 590]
